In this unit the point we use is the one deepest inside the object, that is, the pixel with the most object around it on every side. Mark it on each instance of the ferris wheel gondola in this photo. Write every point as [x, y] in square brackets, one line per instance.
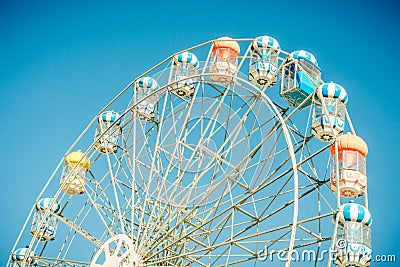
[264, 61]
[329, 111]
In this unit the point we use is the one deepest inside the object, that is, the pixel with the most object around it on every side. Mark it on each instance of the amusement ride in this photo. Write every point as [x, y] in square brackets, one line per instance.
[233, 152]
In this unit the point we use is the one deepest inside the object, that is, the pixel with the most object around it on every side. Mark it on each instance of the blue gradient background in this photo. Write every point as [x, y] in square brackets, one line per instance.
[62, 61]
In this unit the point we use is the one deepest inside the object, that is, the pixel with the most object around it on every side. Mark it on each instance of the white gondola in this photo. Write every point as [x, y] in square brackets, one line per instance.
[108, 142]
[301, 75]
[329, 111]
[264, 61]
[184, 65]
[143, 88]
[74, 173]
[21, 255]
[224, 60]
[353, 245]
[46, 230]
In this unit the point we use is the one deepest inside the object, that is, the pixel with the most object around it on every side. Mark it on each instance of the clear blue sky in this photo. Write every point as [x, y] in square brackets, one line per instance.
[62, 61]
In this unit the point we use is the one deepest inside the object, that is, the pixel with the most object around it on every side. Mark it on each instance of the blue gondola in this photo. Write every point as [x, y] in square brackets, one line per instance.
[353, 246]
[21, 255]
[184, 65]
[45, 231]
[264, 61]
[329, 111]
[144, 87]
[108, 142]
[301, 75]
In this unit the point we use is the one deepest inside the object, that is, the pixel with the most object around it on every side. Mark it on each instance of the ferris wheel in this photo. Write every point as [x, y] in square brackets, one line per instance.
[214, 157]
